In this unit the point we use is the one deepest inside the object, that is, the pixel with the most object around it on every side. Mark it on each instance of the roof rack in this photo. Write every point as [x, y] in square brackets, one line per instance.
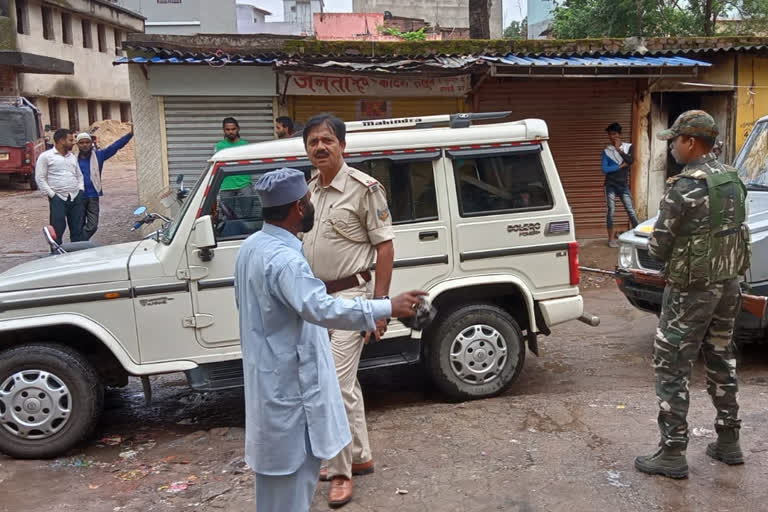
[17, 101]
[453, 120]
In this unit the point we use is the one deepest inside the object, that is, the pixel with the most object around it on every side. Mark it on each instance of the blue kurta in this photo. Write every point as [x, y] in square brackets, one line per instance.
[290, 378]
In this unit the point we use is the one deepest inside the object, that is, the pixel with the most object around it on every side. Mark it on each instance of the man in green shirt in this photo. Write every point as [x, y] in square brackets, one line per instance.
[235, 194]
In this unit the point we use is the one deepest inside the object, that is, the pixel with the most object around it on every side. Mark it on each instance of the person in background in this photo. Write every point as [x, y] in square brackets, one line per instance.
[617, 160]
[294, 413]
[284, 127]
[91, 161]
[235, 192]
[58, 177]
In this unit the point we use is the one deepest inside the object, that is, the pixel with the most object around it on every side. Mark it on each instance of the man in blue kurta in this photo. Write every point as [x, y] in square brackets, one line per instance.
[295, 416]
[91, 163]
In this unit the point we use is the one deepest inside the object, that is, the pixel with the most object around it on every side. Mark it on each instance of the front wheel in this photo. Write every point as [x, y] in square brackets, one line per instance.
[477, 351]
[50, 399]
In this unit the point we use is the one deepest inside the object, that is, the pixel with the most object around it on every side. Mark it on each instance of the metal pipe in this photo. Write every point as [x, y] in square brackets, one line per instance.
[597, 270]
[590, 319]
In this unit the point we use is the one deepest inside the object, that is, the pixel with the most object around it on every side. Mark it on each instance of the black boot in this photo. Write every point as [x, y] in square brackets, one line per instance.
[669, 462]
[726, 448]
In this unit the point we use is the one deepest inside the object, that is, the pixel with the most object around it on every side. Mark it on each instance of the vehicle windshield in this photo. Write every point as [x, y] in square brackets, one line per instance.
[170, 230]
[17, 126]
[752, 160]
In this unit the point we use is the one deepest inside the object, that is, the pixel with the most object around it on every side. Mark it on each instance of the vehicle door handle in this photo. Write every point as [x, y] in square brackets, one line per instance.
[428, 235]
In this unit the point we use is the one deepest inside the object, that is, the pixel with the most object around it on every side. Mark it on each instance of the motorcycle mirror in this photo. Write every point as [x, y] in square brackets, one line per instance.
[180, 179]
[141, 210]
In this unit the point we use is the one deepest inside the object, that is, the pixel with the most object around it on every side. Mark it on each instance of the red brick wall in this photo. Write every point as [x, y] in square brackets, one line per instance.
[9, 85]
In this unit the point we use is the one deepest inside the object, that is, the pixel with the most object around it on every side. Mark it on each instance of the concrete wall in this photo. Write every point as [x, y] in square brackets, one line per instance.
[186, 17]
[95, 77]
[148, 135]
[446, 13]
[204, 81]
[301, 14]
[350, 26]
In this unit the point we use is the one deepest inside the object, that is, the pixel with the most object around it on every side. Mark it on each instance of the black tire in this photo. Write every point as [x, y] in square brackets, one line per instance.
[445, 333]
[85, 402]
[32, 182]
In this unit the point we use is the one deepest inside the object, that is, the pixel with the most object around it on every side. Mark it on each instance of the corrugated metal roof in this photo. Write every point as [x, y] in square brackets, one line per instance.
[412, 64]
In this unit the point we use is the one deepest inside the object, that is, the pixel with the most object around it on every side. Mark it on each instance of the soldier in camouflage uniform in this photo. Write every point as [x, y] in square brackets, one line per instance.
[701, 236]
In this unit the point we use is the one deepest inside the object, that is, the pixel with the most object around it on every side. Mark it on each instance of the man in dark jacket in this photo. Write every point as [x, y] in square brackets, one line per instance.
[617, 160]
[91, 162]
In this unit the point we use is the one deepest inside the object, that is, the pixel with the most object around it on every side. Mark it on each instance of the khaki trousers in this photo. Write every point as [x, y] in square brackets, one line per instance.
[347, 347]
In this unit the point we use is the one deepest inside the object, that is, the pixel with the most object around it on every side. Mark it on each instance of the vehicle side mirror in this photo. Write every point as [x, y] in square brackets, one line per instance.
[203, 237]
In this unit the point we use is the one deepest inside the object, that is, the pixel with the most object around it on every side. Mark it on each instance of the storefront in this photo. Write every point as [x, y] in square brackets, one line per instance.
[577, 113]
[356, 98]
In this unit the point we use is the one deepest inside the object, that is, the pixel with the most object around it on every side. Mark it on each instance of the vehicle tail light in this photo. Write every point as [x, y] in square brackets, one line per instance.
[28, 151]
[573, 262]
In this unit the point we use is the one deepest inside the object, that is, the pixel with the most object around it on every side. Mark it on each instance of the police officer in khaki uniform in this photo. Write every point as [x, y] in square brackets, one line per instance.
[353, 228]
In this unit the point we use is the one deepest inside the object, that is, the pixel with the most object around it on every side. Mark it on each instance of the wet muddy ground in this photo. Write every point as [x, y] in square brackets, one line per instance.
[561, 439]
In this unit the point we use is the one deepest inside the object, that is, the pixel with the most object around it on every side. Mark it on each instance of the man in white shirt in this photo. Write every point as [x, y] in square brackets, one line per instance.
[59, 177]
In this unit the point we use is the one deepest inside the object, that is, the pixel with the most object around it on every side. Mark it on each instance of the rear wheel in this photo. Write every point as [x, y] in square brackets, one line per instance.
[476, 351]
[32, 182]
[50, 399]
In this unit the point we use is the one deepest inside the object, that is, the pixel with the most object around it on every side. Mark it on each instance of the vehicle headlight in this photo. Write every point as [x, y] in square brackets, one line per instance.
[625, 256]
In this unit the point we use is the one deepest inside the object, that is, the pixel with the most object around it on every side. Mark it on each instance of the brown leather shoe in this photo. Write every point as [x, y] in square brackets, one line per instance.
[341, 491]
[364, 468]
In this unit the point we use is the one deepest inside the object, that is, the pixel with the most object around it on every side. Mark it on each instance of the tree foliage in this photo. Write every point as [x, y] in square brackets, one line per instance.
[575, 19]
[517, 29]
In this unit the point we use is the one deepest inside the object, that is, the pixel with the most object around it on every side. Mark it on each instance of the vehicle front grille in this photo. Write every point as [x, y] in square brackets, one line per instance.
[647, 262]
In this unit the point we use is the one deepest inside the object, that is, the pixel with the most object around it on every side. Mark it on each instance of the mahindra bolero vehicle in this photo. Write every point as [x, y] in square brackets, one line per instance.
[635, 261]
[482, 224]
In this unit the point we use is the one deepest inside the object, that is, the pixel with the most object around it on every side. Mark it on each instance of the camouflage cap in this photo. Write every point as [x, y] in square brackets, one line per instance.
[693, 123]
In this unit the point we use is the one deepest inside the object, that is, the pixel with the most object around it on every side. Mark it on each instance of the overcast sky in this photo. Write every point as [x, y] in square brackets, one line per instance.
[513, 9]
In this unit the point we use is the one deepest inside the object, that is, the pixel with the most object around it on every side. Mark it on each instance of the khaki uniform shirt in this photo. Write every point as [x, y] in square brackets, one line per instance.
[351, 218]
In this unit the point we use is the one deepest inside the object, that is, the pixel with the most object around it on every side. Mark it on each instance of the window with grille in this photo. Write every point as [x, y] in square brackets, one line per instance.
[87, 34]
[48, 33]
[22, 17]
[66, 28]
[102, 35]
[118, 42]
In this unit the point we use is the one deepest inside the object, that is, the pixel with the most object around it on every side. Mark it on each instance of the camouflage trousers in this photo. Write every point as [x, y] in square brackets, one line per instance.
[693, 320]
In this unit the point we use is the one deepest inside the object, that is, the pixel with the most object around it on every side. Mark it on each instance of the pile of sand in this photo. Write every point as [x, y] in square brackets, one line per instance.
[108, 132]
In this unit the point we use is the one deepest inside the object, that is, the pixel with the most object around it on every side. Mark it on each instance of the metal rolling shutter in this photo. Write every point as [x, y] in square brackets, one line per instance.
[345, 107]
[577, 112]
[193, 127]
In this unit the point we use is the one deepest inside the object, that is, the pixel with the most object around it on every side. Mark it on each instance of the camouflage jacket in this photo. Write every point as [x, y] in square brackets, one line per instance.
[698, 248]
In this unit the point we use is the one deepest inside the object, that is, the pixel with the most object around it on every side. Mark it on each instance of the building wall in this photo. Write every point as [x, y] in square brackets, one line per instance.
[186, 17]
[446, 13]
[752, 95]
[95, 77]
[148, 136]
[300, 14]
[350, 26]
[9, 84]
[205, 81]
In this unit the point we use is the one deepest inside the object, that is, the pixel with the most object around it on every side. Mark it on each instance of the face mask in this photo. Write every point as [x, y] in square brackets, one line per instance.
[308, 221]
[677, 157]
